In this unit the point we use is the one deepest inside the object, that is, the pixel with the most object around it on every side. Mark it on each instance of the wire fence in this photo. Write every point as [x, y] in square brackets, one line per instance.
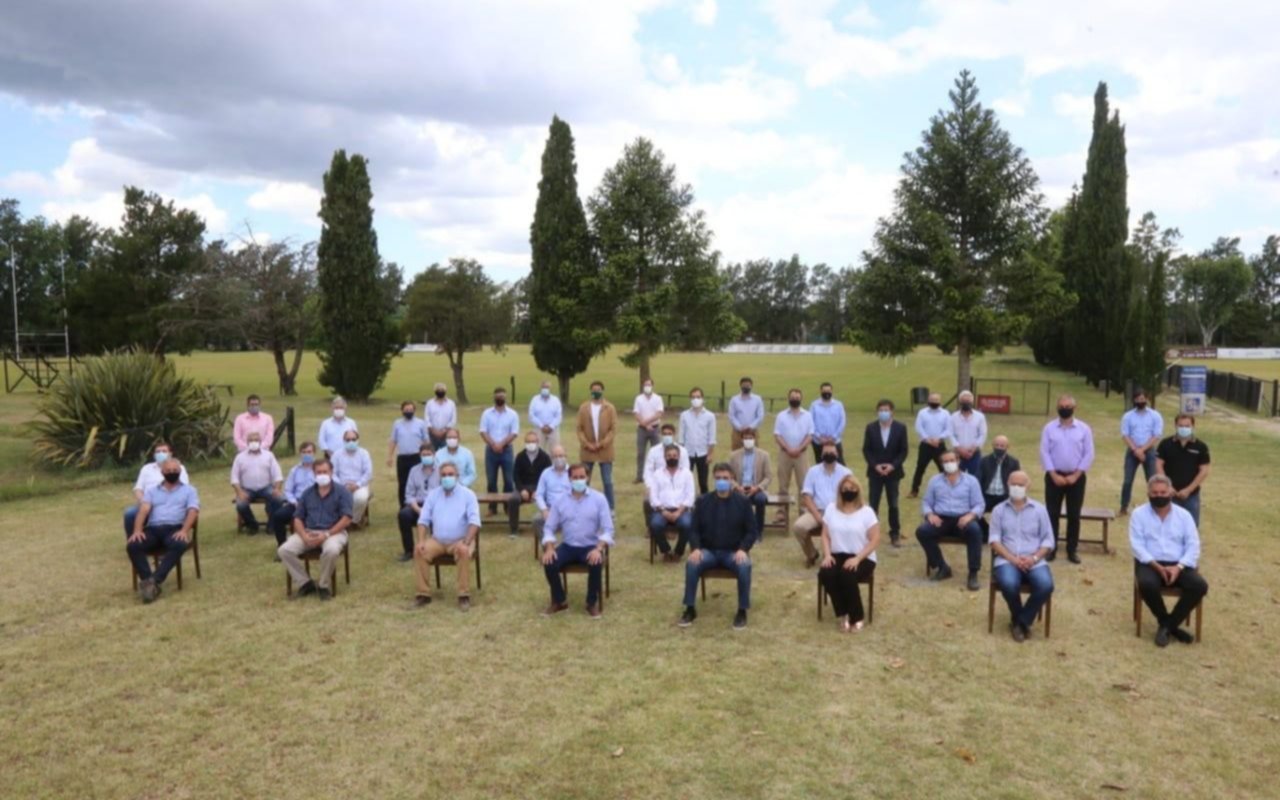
[1256, 395]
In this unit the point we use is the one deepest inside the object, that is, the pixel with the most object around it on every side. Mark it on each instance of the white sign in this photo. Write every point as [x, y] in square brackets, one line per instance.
[421, 348]
[780, 349]
[1194, 384]
[1249, 352]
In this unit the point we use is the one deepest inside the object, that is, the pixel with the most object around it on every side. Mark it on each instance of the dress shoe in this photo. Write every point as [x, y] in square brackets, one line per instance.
[687, 618]
[148, 590]
[943, 573]
[421, 600]
[325, 594]
[1018, 634]
[464, 603]
[594, 611]
[972, 583]
[1073, 558]
[1162, 637]
[305, 589]
[554, 608]
[1182, 635]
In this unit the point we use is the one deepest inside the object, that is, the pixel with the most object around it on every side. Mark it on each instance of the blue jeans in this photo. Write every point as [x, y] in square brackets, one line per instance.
[929, 535]
[1131, 468]
[606, 477]
[506, 461]
[281, 523]
[245, 508]
[723, 559]
[658, 526]
[1191, 504]
[973, 464]
[566, 555]
[156, 535]
[1009, 578]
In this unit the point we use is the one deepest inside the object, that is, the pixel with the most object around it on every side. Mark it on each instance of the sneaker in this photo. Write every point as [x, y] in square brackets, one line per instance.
[421, 600]
[594, 611]
[687, 618]
[1178, 633]
[305, 589]
[943, 573]
[554, 608]
[403, 557]
[1016, 631]
[464, 603]
[325, 594]
[148, 590]
[740, 620]
[1162, 637]
[972, 583]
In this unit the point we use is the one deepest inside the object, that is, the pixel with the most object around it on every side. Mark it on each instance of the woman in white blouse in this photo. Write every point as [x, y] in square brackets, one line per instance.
[850, 534]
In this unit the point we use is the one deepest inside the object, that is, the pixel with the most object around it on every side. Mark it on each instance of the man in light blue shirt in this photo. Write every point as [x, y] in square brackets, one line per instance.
[353, 469]
[552, 483]
[828, 423]
[933, 427]
[746, 410]
[586, 525]
[422, 479]
[407, 435]
[545, 414]
[449, 524]
[1141, 428]
[454, 453]
[953, 505]
[1021, 537]
[499, 427]
[821, 483]
[1166, 552]
[334, 427]
[301, 478]
[165, 519]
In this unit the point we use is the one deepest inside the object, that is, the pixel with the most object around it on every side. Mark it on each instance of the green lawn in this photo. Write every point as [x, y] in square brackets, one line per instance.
[227, 690]
[1268, 370]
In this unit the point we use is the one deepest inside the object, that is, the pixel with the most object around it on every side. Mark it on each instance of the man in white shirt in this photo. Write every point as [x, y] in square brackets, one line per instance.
[793, 431]
[149, 477]
[821, 484]
[654, 462]
[1166, 552]
[256, 475]
[648, 410]
[968, 434]
[442, 414]
[335, 427]
[545, 414]
[671, 497]
[698, 435]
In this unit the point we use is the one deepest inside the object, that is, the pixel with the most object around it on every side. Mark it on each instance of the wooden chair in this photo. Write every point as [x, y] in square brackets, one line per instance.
[583, 569]
[960, 540]
[447, 560]
[718, 573]
[671, 532]
[314, 555]
[1046, 611]
[1165, 591]
[240, 526]
[157, 553]
[782, 501]
[502, 499]
[1090, 514]
[870, 583]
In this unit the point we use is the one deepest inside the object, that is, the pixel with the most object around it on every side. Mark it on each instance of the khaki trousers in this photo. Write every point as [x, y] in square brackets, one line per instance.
[291, 556]
[434, 549]
[788, 466]
[803, 529]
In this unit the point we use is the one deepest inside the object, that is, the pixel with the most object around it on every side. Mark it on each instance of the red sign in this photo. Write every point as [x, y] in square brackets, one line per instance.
[995, 403]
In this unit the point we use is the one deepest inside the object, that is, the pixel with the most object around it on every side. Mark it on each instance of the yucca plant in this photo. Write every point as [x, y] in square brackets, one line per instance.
[116, 406]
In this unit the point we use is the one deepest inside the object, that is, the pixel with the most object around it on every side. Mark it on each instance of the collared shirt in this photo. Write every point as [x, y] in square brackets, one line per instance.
[321, 512]
[170, 506]
[441, 414]
[886, 428]
[301, 478]
[1173, 538]
[247, 423]
[551, 484]
[849, 532]
[672, 491]
[408, 435]
[970, 431]
[354, 467]
[655, 460]
[1142, 426]
[748, 476]
[422, 479]
[332, 431]
[255, 470]
[947, 500]
[647, 406]
[499, 423]
[1182, 459]
[462, 459]
[1066, 448]
[996, 487]
[793, 427]
[1022, 532]
[828, 419]
[583, 520]
[450, 514]
[595, 419]
[150, 475]
[821, 485]
[697, 431]
[746, 411]
[933, 423]
[545, 412]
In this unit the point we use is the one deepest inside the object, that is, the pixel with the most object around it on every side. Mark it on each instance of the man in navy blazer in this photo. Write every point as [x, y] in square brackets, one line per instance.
[884, 446]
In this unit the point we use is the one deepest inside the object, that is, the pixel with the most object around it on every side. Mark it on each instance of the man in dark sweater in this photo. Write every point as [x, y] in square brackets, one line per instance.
[724, 529]
[529, 466]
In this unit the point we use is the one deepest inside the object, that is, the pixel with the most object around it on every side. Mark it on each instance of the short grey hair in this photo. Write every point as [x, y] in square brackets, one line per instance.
[338, 401]
[964, 394]
[1155, 480]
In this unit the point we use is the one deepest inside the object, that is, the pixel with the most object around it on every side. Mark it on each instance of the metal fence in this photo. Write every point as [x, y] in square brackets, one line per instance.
[1244, 391]
[1025, 396]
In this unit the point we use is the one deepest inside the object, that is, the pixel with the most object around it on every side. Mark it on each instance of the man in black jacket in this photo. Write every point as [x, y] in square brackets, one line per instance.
[529, 466]
[884, 446]
[724, 529]
[994, 472]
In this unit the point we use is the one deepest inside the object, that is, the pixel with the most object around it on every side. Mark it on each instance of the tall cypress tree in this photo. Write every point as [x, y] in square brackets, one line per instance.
[359, 337]
[564, 283]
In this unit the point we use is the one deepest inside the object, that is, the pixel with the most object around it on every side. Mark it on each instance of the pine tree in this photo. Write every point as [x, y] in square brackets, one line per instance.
[1156, 327]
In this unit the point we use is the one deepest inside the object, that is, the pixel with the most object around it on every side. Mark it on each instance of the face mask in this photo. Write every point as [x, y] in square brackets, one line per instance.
[308, 458]
[408, 414]
[826, 395]
[172, 477]
[560, 462]
[696, 402]
[746, 390]
[428, 460]
[339, 413]
[673, 462]
[794, 402]
[1141, 404]
[351, 446]
[848, 495]
[667, 441]
[1156, 502]
[966, 406]
[828, 458]
[531, 447]
[579, 485]
[440, 393]
[749, 444]
[1185, 431]
[324, 479]
[499, 401]
[950, 467]
[451, 443]
[1066, 413]
[648, 389]
[1018, 492]
[596, 395]
[1000, 451]
[255, 447]
[545, 392]
[723, 485]
[884, 416]
[935, 406]
[449, 481]
[255, 410]
[162, 456]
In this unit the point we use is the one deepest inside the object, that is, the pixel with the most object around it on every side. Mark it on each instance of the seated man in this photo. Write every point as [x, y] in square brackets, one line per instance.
[952, 506]
[322, 518]
[821, 484]
[655, 459]
[353, 469]
[530, 464]
[148, 477]
[1166, 551]
[255, 475]
[552, 483]
[424, 477]
[301, 478]
[166, 516]
[583, 518]
[994, 472]
[724, 529]
[756, 471]
[1021, 537]
[454, 453]
[671, 499]
[450, 523]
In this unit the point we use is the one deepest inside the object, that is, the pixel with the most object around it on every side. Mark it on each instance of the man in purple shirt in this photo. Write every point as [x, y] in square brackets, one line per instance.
[1066, 453]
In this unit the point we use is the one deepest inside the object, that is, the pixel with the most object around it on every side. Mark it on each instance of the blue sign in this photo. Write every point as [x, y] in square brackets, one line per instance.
[1194, 386]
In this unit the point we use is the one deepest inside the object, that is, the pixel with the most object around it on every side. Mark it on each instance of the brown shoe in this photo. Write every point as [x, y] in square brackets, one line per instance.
[1018, 634]
[594, 611]
[464, 603]
[554, 608]
[421, 600]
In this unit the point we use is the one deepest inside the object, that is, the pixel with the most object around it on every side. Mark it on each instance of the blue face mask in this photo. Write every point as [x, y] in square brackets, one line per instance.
[723, 485]
[428, 460]
[579, 485]
[308, 458]
[1185, 432]
[545, 393]
[351, 446]
[449, 481]
[161, 457]
[884, 416]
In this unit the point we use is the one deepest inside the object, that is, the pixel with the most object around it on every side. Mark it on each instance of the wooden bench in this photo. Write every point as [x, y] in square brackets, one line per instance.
[870, 583]
[501, 499]
[314, 555]
[1088, 514]
[157, 553]
[782, 501]
[1165, 591]
[1046, 611]
[584, 569]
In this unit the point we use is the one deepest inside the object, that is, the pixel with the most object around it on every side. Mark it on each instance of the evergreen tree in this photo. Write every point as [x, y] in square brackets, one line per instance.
[359, 337]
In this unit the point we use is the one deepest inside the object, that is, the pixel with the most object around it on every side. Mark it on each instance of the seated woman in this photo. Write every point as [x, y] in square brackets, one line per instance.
[850, 535]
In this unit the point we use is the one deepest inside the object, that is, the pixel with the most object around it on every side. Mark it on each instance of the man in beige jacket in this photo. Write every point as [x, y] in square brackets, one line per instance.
[753, 472]
[597, 424]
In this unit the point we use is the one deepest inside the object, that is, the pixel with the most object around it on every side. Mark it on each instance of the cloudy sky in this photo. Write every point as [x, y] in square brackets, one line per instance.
[789, 117]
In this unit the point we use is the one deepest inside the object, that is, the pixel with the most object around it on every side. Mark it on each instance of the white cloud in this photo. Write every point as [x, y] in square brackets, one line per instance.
[704, 12]
[860, 16]
[297, 200]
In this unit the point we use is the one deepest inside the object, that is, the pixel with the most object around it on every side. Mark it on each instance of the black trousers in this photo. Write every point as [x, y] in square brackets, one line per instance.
[924, 454]
[404, 463]
[1193, 586]
[281, 523]
[842, 585]
[878, 483]
[817, 452]
[699, 466]
[1073, 495]
[408, 519]
[992, 501]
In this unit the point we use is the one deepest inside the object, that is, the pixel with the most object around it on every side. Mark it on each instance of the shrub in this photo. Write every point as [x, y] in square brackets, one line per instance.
[115, 407]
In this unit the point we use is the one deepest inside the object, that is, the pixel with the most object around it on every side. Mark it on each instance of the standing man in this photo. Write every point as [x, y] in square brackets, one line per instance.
[301, 478]
[698, 435]
[754, 472]
[968, 433]
[1066, 453]
[746, 410]
[253, 419]
[150, 475]
[933, 426]
[648, 411]
[1141, 428]
[884, 447]
[499, 427]
[994, 472]
[450, 523]
[334, 427]
[793, 432]
[545, 413]
[1185, 459]
[583, 518]
[828, 423]
[551, 484]
[723, 531]
[408, 434]
[166, 516]
[1166, 551]
[322, 518]
[424, 477]
[454, 453]
[671, 497]
[596, 428]
[530, 465]
[1021, 537]
[821, 485]
[255, 475]
[952, 506]
[353, 470]
[442, 414]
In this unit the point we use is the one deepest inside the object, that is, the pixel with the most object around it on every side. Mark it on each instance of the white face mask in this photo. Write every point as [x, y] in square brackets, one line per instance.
[339, 413]
[323, 480]
[696, 402]
[1018, 492]
[950, 467]
[452, 443]
[531, 447]
[648, 389]
[255, 447]
[560, 462]
[749, 444]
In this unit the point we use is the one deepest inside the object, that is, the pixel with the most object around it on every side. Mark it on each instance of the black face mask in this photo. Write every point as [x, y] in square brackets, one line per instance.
[746, 390]
[794, 403]
[1066, 413]
[172, 477]
[673, 462]
[828, 458]
[1160, 502]
[848, 495]
[440, 394]
[966, 406]
[826, 395]
[935, 406]
[1000, 452]
[1140, 404]
[407, 414]
[499, 401]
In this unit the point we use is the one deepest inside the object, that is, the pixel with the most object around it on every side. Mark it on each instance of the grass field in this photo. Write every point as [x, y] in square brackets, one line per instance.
[1268, 370]
[227, 690]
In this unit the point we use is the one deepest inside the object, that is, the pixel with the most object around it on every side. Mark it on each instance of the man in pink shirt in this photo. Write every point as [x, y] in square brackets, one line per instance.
[254, 420]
